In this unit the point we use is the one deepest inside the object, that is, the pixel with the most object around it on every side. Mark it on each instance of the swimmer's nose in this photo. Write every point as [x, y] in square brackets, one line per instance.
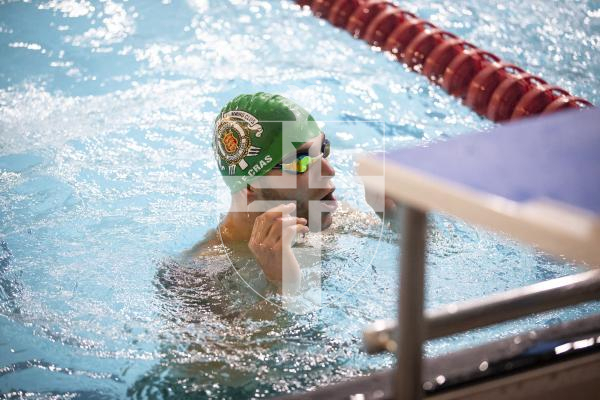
[326, 168]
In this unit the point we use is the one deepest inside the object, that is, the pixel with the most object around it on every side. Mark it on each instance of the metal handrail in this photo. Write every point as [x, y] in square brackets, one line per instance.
[457, 317]
[415, 325]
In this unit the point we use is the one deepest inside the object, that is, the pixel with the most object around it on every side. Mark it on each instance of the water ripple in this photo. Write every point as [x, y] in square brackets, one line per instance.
[50, 367]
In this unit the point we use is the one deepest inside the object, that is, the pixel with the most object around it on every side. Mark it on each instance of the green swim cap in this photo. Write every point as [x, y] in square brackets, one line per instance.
[254, 131]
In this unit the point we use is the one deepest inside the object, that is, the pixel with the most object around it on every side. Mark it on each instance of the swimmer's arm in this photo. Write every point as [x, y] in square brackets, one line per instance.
[210, 246]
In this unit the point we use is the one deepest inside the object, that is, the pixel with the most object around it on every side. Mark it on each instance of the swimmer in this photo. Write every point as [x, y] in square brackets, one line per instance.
[274, 158]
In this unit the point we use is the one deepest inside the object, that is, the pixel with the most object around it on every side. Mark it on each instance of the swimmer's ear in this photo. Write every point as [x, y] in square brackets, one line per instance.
[250, 194]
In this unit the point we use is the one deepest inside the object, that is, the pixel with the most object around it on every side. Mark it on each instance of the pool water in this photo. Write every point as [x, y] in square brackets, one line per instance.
[106, 177]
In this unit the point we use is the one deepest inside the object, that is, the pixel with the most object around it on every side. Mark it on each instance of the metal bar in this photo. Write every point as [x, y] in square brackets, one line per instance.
[410, 306]
[513, 304]
[496, 308]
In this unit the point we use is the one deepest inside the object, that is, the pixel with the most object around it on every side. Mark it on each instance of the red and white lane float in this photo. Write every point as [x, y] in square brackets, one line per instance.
[491, 87]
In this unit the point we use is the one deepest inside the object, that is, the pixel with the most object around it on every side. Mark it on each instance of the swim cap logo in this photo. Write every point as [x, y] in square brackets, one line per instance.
[233, 139]
[230, 142]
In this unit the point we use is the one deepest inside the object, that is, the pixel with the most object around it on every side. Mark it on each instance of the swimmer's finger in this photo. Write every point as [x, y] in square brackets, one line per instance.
[277, 227]
[260, 230]
[268, 226]
[290, 232]
[280, 211]
[288, 221]
[262, 224]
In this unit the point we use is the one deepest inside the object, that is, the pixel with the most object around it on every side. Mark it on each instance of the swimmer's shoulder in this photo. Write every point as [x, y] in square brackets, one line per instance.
[209, 246]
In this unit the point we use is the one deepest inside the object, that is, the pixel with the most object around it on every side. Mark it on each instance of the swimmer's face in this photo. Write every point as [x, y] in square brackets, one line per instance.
[312, 191]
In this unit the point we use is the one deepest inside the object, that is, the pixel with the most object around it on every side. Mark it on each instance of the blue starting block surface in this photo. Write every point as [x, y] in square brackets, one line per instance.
[556, 157]
[537, 179]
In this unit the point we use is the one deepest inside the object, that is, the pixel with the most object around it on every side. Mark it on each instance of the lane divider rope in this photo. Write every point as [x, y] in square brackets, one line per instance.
[494, 89]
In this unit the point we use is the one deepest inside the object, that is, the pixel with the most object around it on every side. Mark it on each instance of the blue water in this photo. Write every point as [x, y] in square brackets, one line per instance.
[106, 175]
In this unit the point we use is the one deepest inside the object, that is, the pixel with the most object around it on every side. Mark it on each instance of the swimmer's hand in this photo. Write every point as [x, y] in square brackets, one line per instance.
[271, 242]
[378, 201]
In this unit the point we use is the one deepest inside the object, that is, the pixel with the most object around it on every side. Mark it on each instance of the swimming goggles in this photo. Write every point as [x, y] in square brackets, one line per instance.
[300, 164]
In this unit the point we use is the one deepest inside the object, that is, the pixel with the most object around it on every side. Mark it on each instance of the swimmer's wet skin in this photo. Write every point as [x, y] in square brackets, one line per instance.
[270, 149]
